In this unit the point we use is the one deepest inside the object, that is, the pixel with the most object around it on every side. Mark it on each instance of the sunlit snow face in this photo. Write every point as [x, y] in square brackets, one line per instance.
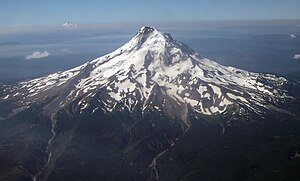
[152, 63]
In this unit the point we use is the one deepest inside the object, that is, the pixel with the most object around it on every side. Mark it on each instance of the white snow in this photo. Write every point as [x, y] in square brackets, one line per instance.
[68, 25]
[152, 60]
[6, 97]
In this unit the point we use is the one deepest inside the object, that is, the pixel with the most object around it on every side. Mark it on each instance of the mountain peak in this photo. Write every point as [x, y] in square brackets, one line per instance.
[147, 29]
[147, 32]
[69, 25]
[153, 68]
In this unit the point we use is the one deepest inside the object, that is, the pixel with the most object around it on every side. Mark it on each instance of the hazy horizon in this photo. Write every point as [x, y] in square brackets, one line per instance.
[254, 35]
[250, 46]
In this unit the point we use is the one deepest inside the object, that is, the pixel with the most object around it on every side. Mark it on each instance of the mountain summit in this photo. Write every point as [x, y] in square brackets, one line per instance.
[153, 109]
[153, 66]
[68, 26]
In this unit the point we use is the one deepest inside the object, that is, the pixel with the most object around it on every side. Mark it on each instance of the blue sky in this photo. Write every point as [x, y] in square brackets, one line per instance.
[38, 12]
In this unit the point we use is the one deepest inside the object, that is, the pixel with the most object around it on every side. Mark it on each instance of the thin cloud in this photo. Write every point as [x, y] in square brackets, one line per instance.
[37, 55]
[66, 50]
[296, 56]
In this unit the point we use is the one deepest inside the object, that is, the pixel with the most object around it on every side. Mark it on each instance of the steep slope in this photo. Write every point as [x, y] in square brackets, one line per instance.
[151, 110]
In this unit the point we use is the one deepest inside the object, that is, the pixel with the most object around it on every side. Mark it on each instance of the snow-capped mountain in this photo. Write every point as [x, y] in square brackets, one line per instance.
[153, 64]
[68, 25]
[153, 109]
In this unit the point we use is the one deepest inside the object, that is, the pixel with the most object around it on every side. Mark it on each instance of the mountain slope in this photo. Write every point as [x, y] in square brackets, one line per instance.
[151, 110]
[152, 61]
